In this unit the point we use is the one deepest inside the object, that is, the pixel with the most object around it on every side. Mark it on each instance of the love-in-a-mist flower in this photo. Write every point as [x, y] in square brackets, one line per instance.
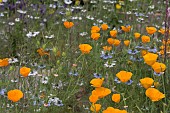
[68, 24]
[97, 82]
[151, 30]
[154, 94]
[150, 58]
[145, 39]
[116, 98]
[146, 82]
[124, 76]
[158, 67]
[85, 48]
[4, 62]
[15, 95]
[24, 71]
[137, 35]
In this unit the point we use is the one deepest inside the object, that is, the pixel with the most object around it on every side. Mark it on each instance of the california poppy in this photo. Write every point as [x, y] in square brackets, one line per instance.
[116, 98]
[113, 33]
[15, 95]
[95, 107]
[113, 110]
[137, 35]
[126, 28]
[95, 29]
[101, 92]
[146, 82]
[124, 76]
[97, 82]
[151, 30]
[126, 42]
[145, 39]
[110, 41]
[154, 94]
[95, 36]
[150, 58]
[24, 71]
[4, 62]
[104, 27]
[158, 67]
[85, 48]
[68, 24]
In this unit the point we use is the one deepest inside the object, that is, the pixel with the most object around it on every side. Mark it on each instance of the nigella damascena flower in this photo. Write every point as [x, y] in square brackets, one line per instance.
[105, 55]
[97, 75]
[133, 52]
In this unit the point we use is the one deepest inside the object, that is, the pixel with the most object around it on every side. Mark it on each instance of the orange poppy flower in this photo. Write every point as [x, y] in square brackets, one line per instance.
[116, 98]
[95, 36]
[110, 41]
[113, 110]
[146, 82]
[126, 42]
[101, 92]
[41, 52]
[151, 30]
[158, 67]
[97, 82]
[15, 95]
[107, 48]
[116, 42]
[154, 94]
[144, 52]
[126, 28]
[145, 39]
[162, 31]
[124, 76]
[95, 29]
[95, 108]
[4, 62]
[68, 24]
[137, 35]
[113, 33]
[93, 98]
[85, 48]
[104, 27]
[24, 71]
[150, 58]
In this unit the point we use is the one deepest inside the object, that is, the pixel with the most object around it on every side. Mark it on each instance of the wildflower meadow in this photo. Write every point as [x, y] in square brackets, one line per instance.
[84, 56]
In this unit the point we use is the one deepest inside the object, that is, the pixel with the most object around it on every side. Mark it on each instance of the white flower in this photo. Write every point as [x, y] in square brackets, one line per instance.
[67, 2]
[21, 11]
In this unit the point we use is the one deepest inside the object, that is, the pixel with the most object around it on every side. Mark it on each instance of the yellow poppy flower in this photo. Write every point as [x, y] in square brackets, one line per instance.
[158, 67]
[154, 94]
[150, 58]
[124, 76]
[15, 95]
[151, 30]
[116, 98]
[85, 48]
[146, 82]
[24, 71]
